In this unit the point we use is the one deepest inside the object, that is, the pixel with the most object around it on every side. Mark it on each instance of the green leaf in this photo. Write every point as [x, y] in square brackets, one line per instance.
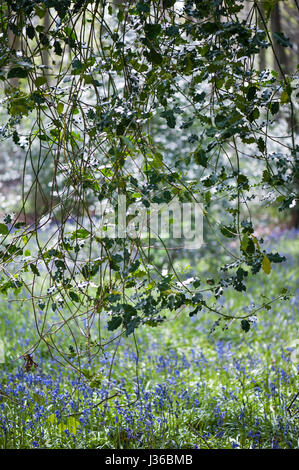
[261, 144]
[30, 31]
[245, 325]
[77, 66]
[128, 142]
[276, 257]
[96, 381]
[154, 57]
[201, 158]
[114, 323]
[152, 30]
[75, 297]
[250, 248]
[20, 105]
[266, 176]
[266, 265]
[285, 97]
[52, 419]
[254, 115]
[3, 229]
[208, 197]
[60, 107]
[120, 15]
[282, 39]
[132, 325]
[57, 48]
[71, 426]
[168, 3]
[81, 233]
[251, 93]
[274, 108]
[17, 72]
[243, 182]
[20, 224]
[229, 232]
[34, 269]
[221, 121]
[114, 297]
[170, 118]
[244, 242]
[40, 81]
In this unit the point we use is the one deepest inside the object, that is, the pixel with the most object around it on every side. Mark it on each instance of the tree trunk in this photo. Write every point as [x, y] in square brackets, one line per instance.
[13, 44]
[280, 57]
[262, 55]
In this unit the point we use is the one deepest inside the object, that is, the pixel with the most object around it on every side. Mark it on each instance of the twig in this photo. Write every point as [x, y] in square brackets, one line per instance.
[291, 403]
[78, 413]
[7, 396]
[199, 435]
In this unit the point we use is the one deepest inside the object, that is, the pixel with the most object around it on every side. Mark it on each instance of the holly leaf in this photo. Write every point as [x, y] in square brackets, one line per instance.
[245, 325]
[34, 269]
[114, 323]
[17, 72]
[81, 233]
[282, 39]
[266, 265]
[154, 57]
[3, 229]
[229, 232]
[152, 30]
[201, 158]
[285, 97]
[168, 3]
[170, 118]
[40, 81]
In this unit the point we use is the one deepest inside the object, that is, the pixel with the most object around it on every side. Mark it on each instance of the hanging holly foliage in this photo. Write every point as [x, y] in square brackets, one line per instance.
[155, 101]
